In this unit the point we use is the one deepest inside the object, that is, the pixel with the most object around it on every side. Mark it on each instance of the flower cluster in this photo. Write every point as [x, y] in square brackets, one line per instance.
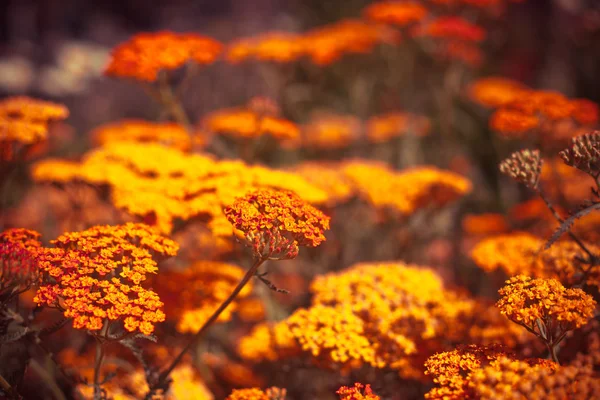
[277, 47]
[273, 393]
[357, 392]
[95, 276]
[382, 128]
[584, 154]
[330, 131]
[545, 307]
[208, 284]
[132, 130]
[18, 259]
[400, 14]
[144, 55]
[275, 223]
[524, 166]
[24, 122]
[495, 92]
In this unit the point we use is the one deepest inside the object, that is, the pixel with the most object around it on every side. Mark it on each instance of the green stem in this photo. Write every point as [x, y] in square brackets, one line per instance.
[165, 374]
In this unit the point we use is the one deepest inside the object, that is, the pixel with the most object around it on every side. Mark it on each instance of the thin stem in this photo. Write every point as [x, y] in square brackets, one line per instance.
[99, 360]
[553, 354]
[169, 100]
[165, 374]
[7, 388]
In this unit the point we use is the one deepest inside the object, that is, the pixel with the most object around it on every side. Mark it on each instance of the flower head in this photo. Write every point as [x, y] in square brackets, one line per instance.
[275, 223]
[382, 128]
[95, 275]
[493, 92]
[513, 123]
[584, 153]
[278, 47]
[18, 258]
[331, 131]
[144, 55]
[167, 133]
[396, 13]
[451, 27]
[524, 166]
[273, 393]
[357, 392]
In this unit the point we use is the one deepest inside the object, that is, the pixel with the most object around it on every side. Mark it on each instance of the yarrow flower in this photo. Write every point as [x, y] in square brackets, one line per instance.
[330, 131]
[144, 55]
[545, 307]
[276, 223]
[273, 393]
[132, 130]
[396, 13]
[18, 260]
[357, 392]
[524, 166]
[95, 276]
[278, 47]
[382, 128]
[494, 92]
[584, 153]
[451, 27]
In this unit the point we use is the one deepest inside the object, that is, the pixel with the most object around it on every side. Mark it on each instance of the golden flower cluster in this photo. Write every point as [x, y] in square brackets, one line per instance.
[162, 185]
[508, 378]
[207, 285]
[275, 223]
[273, 393]
[18, 259]
[382, 128]
[144, 55]
[406, 191]
[330, 131]
[522, 253]
[268, 342]
[329, 178]
[357, 392]
[545, 307]
[246, 122]
[95, 276]
[24, 122]
[133, 130]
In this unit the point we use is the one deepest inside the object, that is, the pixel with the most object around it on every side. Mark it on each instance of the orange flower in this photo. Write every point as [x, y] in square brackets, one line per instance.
[329, 43]
[167, 133]
[494, 92]
[484, 224]
[382, 128]
[330, 131]
[273, 393]
[451, 27]
[24, 108]
[513, 123]
[329, 178]
[268, 342]
[207, 285]
[357, 392]
[145, 54]
[586, 112]
[545, 307]
[18, 263]
[279, 47]
[275, 223]
[396, 13]
[95, 275]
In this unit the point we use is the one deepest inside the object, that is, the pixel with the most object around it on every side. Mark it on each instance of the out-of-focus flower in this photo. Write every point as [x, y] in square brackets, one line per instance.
[144, 55]
[584, 153]
[523, 379]
[513, 123]
[396, 12]
[585, 112]
[251, 310]
[457, 50]
[207, 285]
[95, 276]
[276, 223]
[524, 166]
[268, 342]
[357, 392]
[24, 108]
[273, 393]
[382, 128]
[327, 44]
[545, 307]
[484, 224]
[329, 178]
[405, 191]
[18, 260]
[330, 131]
[451, 27]
[168, 134]
[494, 92]
[278, 47]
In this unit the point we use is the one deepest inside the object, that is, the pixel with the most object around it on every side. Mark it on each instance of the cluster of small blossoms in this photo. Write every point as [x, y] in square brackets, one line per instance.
[509, 378]
[524, 166]
[132, 130]
[273, 393]
[24, 122]
[208, 284]
[357, 392]
[95, 276]
[144, 55]
[545, 307]
[18, 259]
[276, 223]
[584, 154]
[330, 131]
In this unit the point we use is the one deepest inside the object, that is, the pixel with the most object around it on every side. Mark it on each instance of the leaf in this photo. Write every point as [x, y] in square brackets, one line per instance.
[568, 223]
[15, 335]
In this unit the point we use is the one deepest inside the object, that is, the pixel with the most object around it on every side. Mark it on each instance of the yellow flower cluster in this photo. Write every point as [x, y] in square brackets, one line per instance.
[133, 130]
[406, 191]
[329, 178]
[508, 378]
[273, 393]
[268, 342]
[545, 307]
[207, 285]
[163, 184]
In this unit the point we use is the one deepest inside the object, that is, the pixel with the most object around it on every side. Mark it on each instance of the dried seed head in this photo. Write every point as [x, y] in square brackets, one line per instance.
[584, 153]
[524, 166]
